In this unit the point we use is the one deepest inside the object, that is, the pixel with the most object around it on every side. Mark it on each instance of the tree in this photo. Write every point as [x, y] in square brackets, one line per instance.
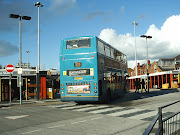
[0, 66]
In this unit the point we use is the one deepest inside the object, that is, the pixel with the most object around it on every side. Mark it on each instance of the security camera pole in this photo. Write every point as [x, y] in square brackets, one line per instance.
[27, 58]
[38, 4]
[144, 36]
[135, 24]
[20, 47]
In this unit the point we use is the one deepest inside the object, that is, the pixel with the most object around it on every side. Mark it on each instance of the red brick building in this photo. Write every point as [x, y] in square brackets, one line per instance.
[160, 72]
[142, 69]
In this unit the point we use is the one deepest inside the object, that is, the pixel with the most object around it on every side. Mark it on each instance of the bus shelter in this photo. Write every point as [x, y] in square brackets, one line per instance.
[28, 84]
[167, 79]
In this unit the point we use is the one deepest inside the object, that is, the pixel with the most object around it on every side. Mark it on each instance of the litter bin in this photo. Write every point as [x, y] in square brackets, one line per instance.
[174, 84]
[50, 93]
[165, 86]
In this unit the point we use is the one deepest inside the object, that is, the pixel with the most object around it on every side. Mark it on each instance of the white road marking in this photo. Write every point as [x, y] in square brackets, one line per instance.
[62, 105]
[16, 117]
[144, 115]
[125, 112]
[101, 109]
[31, 131]
[56, 126]
[96, 118]
[107, 109]
[78, 122]
[78, 106]
[6, 108]
[39, 101]
[86, 109]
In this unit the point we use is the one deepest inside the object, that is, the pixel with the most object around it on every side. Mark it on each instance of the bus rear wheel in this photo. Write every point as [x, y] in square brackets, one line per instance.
[108, 97]
[80, 103]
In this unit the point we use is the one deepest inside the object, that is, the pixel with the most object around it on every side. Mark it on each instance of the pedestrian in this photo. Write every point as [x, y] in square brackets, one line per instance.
[147, 86]
[137, 84]
[143, 85]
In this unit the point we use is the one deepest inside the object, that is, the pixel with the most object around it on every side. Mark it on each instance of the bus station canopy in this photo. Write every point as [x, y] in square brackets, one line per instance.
[155, 74]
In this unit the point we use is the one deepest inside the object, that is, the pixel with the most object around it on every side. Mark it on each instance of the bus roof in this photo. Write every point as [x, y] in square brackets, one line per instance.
[110, 46]
[80, 37]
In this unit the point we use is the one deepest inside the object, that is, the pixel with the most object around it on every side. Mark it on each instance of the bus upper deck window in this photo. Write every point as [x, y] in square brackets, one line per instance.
[78, 43]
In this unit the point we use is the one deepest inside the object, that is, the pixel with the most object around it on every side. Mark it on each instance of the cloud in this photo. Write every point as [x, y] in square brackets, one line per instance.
[122, 9]
[123, 42]
[92, 15]
[62, 6]
[106, 16]
[27, 8]
[7, 49]
[142, 16]
[165, 41]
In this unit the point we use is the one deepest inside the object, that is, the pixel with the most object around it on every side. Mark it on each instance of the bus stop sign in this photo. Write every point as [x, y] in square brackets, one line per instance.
[9, 68]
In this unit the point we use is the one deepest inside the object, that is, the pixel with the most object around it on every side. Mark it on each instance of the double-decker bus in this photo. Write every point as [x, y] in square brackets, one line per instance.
[91, 70]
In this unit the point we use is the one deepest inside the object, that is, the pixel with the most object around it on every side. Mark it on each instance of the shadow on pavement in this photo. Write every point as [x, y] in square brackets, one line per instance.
[136, 96]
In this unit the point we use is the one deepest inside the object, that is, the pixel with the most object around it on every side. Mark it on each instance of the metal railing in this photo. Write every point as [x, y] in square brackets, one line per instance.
[171, 125]
[168, 126]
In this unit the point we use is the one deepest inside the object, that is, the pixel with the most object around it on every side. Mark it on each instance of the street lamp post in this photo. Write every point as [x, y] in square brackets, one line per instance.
[20, 46]
[144, 36]
[38, 4]
[27, 58]
[135, 24]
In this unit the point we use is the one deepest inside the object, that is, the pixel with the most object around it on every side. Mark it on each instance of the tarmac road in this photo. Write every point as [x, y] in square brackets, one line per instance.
[124, 116]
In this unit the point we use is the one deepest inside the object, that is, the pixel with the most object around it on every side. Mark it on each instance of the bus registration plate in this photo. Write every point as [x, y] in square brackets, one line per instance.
[78, 78]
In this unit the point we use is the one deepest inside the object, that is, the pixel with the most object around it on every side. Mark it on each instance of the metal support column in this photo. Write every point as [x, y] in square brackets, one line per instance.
[20, 61]
[10, 89]
[158, 81]
[151, 81]
[26, 88]
[132, 84]
[171, 80]
[0, 90]
[160, 121]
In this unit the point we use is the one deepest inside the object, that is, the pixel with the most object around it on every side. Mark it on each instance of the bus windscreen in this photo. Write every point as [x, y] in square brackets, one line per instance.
[78, 43]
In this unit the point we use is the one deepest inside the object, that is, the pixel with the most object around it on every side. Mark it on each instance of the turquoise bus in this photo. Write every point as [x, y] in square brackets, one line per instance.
[91, 70]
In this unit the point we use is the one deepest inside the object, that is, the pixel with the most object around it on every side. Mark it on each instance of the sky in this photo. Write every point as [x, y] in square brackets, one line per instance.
[110, 20]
